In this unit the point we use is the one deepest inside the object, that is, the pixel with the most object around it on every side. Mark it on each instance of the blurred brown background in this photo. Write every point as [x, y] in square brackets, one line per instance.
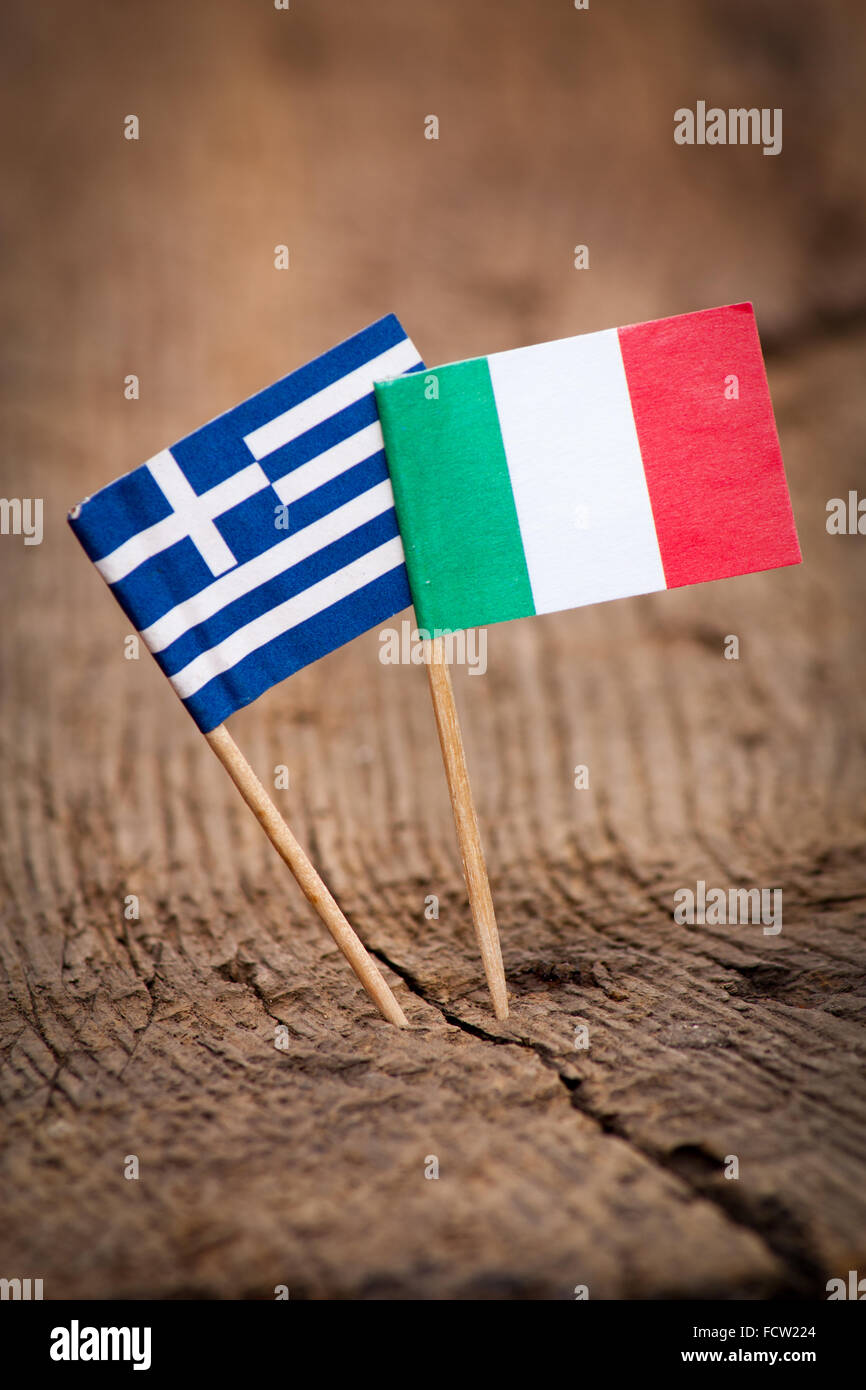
[155, 1037]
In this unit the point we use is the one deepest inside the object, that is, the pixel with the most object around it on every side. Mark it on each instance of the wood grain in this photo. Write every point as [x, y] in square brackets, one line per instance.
[308, 880]
[155, 1036]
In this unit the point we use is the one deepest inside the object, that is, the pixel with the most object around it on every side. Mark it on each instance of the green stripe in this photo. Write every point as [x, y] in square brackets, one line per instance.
[453, 496]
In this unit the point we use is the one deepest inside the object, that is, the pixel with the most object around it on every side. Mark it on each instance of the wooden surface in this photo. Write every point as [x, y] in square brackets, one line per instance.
[308, 878]
[155, 1036]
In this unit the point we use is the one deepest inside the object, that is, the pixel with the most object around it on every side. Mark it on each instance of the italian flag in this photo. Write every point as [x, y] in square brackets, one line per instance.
[592, 468]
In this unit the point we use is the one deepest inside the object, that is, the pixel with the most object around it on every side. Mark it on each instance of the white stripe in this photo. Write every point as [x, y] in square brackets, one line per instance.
[177, 526]
[340, 522]
[327, 402]
[576, 471]
[140, 547]
[197, 513]
[276, 621]
[330, 464]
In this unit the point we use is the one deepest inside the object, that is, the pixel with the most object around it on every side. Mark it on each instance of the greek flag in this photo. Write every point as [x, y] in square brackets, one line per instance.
[265, 539]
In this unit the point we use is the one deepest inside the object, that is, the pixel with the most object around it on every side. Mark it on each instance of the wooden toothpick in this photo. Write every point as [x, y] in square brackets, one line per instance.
[474, 867]
[310, 883]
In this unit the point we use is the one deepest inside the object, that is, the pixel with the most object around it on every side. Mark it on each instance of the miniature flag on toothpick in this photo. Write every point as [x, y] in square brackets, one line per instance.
[592, 468]
[257, 544]
[265, 539]
[573, 472]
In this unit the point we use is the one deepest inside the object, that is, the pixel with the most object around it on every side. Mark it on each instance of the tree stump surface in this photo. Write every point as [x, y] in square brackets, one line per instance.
[559, 1165]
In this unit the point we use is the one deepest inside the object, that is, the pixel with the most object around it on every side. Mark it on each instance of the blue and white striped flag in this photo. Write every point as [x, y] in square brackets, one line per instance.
[265, 539]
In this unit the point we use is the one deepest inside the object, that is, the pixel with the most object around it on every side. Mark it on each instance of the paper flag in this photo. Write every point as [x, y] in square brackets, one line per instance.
[265, 539]
[592, 468]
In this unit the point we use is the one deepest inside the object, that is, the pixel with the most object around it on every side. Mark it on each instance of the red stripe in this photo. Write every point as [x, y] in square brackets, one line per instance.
[713, 466]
